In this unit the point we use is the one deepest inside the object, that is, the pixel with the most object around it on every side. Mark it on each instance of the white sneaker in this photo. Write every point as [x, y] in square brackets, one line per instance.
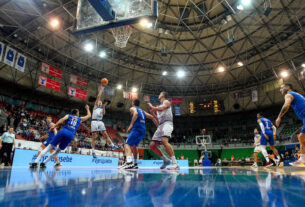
[254, 165]
[174, 166]
[165, 163]
[127, 165]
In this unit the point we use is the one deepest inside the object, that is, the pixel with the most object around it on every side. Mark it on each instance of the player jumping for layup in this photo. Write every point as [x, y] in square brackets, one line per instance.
[297, 102]
[64, 136]
[164, 131]
[137, 133]
[268, 135]
[97, 125]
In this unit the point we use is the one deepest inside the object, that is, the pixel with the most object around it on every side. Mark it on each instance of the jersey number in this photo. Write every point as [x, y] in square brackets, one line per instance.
[73, 122]
[268, 127]
[142, 114]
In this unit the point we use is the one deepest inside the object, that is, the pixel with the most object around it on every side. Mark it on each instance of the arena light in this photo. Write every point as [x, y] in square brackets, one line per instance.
[149, 25]
[245, 2]
[221, 69]
[180, 74]
[240, 7]
[240, 64]
[284, 74]
[54, 23]
[119, 87]
[144, 22]
[303, 65]
[88, 47]
[164, 73]
[102, 54]
[134, 90]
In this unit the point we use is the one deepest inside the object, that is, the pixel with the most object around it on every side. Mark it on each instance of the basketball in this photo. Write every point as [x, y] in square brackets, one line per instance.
[104, 82]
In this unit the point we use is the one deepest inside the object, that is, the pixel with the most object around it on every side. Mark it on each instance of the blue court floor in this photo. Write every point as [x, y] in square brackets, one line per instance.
[189, 187]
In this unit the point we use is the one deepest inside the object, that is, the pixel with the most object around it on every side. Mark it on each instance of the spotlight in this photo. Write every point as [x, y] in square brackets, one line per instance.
[164, 73]
[221, 69]
[303, 65]
[144, 22]
[149, 25]
[119, 87]
[88, 47]
[240, 64]
[134, 90]
[284, 74]
[246, 2]
[54, 23]
[102, 54]
[240, 7]
[180, 74]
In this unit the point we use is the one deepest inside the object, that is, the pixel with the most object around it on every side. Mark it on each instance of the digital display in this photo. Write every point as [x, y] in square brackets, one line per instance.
[214, 106]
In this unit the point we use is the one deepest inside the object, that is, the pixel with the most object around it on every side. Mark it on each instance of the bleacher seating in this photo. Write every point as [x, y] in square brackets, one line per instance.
[288, 130]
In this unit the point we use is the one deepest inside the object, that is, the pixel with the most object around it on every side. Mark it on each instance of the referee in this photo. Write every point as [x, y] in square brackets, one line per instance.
[6, 145]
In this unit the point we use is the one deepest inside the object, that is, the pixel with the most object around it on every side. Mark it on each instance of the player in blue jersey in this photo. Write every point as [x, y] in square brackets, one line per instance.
[46, 139]
[268, 134]
[64, 136]
[137, 133]
[297, 102]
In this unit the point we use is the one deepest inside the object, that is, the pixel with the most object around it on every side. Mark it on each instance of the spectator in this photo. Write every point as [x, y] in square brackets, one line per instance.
[6, 144]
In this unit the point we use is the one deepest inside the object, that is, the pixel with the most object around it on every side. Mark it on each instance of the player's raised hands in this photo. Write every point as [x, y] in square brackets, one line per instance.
[87, 107]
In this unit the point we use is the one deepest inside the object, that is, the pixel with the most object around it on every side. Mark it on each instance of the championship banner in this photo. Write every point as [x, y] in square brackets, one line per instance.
[49, 83]
[2, 46]
[77, 93]
[78, 80]
[49, 69]
[273, 85]
[109, 91]
[177, 111]
[130, 95]
[9, 57]
[175, 100]
[254, 96]
[20, 62]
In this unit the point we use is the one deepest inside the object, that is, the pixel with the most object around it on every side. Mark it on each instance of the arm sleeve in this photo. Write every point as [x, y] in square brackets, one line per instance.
[262, 127]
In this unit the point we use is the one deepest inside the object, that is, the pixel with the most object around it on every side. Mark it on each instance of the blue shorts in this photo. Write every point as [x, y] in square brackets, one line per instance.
[135, 136]
[47, 142]
[63, 138]
[270, 139]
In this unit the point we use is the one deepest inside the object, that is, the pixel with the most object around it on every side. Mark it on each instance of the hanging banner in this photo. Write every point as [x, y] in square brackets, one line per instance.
[49, 69]
[175, 100]
[109, 91]
[77, 93]
[10, 55]
[271, 86]
[78, 80]
[2, 46]
[20, 62]
[254, 96]
[177, 111]
[130, 95]
[49, 83]
[242, 94]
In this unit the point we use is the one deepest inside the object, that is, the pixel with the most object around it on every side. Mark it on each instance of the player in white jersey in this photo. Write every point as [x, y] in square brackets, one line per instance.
[257, 149]
[164, 115]
[97, 125]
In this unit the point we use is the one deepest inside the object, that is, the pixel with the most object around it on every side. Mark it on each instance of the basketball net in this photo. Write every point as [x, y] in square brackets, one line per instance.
[121, 35]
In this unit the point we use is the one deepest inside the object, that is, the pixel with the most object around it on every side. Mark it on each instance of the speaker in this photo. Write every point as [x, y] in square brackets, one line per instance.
[92, 99]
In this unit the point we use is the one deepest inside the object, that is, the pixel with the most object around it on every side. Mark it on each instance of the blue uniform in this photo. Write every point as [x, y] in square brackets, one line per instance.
[66, 134]
[51, 135]
[268, 131]
[138, 131]
[298, 105]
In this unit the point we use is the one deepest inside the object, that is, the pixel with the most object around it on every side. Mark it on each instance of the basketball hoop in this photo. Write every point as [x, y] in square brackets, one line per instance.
[121, 35]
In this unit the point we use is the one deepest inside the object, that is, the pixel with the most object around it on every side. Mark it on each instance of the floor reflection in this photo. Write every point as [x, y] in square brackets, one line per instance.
[199, 187]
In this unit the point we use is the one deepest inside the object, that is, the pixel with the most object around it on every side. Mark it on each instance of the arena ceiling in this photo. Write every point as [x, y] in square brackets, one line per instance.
[193, 33]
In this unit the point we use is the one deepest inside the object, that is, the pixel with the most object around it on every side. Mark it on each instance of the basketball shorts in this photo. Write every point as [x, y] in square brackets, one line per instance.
[270, 140]
[164, 130]
[98, 126]
[257, 149]
[62, 138]
[135, 136]
[47, 141]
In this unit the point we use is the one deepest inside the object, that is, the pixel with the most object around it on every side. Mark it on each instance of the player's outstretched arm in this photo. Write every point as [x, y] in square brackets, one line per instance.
[285, 108]
[100, 92]
[164, 106]
[85, 118]
[134, 113]
[151, 117]
[104, 107]
[60, 121]
[274, 130]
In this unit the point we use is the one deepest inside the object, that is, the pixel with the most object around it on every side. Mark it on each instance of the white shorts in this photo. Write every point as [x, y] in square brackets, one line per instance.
[98, 126]
[257, 149]
[164, 130]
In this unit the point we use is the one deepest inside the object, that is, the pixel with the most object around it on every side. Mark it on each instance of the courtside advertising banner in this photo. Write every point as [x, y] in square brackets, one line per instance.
[49, 69]
[77, 93]
[49, 83]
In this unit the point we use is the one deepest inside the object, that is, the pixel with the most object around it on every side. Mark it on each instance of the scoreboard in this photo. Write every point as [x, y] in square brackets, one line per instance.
[213, 106]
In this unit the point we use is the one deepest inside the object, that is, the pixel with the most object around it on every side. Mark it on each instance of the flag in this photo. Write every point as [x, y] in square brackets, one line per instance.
[254, 96]
[109, 91]
[78, 80]
[77, 93]
[20, 62]
[49, 69]
[2, 46]
[177, 111]
[49, 83]
[9, 58]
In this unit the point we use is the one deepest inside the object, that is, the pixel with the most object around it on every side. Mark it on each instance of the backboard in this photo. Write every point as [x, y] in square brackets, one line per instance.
[94, 15]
